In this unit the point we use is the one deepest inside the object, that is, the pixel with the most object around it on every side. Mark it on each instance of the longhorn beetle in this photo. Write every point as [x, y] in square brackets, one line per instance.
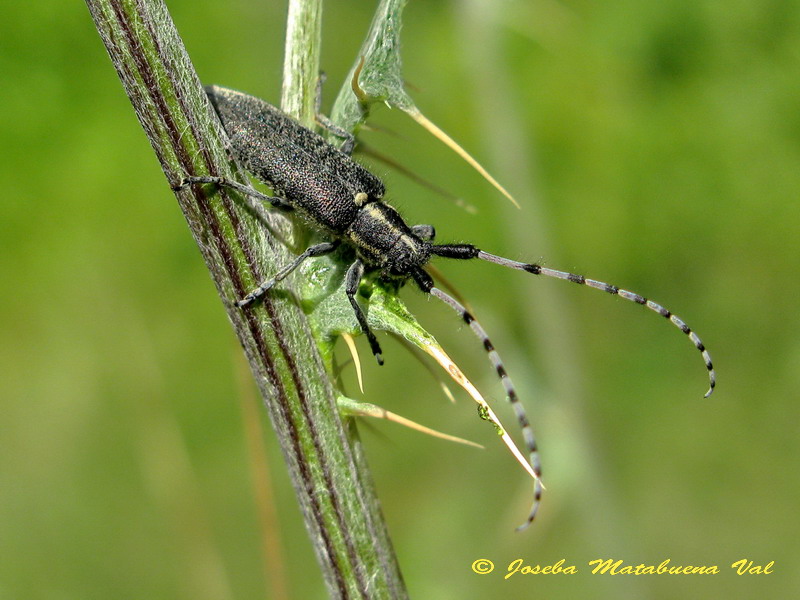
[341, 199]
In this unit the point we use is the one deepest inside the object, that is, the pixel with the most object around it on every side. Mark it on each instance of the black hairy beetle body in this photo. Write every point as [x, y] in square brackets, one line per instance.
[344, 201]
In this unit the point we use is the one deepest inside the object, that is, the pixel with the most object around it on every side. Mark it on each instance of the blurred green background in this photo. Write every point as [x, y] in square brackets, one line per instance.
[652, 145]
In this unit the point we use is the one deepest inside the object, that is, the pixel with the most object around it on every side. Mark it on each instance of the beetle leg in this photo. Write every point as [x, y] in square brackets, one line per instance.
[349, 139]
[323, 121]
[315, 250]
[235, 185]
[352, 281]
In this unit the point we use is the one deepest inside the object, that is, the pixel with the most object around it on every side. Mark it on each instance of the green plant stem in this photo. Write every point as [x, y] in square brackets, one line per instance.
[322, 452]
[301, 60]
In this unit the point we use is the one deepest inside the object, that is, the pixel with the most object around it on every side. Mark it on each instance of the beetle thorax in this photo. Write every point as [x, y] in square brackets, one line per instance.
[384, 241]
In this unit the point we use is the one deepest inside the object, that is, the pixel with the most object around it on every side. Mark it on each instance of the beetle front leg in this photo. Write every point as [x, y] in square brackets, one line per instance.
[352, 281]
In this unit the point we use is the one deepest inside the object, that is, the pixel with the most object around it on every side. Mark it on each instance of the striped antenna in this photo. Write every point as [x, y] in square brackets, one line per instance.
[511, 392]
[614, 290]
